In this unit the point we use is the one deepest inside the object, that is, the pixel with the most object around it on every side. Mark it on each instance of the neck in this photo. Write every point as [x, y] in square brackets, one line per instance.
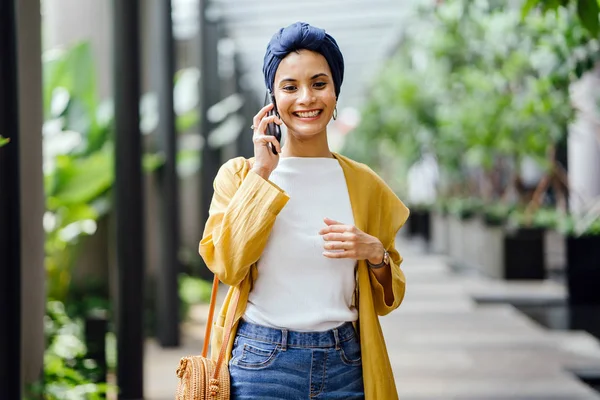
[316, 146]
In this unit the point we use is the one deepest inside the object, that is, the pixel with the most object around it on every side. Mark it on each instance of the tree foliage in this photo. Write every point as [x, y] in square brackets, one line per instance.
[478, 85]
[588, 11]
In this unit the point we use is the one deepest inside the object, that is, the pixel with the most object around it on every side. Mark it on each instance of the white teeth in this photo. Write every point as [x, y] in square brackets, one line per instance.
[309, 114]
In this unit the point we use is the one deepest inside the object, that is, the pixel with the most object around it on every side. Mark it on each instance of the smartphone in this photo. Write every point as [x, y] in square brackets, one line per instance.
[272, 128]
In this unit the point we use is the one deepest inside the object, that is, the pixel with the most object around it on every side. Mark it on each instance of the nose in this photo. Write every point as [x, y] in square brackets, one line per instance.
[306, 96]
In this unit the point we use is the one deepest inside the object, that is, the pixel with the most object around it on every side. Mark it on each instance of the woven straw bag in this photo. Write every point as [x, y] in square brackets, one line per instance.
[201, 378]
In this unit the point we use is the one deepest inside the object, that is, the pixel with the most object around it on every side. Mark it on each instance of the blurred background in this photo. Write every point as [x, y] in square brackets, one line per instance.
[482, 115]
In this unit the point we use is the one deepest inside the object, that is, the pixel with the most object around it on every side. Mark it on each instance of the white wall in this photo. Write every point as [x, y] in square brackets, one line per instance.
[66, 22]
[584, 142]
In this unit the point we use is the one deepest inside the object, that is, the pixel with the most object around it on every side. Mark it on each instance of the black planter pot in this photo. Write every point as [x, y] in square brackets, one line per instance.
[524, 254]
[412, 224]
[583, 270]
[424, 224]
[419, 224]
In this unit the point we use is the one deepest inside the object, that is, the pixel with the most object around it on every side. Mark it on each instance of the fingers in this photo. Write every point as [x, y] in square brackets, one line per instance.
[338, 237]
[330, 221]
[338, 254]
[337, 229]
[261, 114]
[338, 246]
[262, 126]
[265, 139]
[260, 136]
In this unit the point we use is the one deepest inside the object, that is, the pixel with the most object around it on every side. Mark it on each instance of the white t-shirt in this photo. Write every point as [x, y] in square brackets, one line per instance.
[297, 287]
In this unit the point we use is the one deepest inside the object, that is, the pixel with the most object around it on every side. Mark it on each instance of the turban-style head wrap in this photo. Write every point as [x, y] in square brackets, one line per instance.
[301, 36]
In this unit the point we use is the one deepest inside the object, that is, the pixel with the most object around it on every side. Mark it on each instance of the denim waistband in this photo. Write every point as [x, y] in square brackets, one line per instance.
[287, 338]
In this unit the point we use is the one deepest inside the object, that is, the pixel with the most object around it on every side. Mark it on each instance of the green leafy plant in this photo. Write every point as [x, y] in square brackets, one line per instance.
[79, 153]
[546, 218]
[485, 90]
[192, 291]
[78, 144]
[465, 207]
[68, 374]
[569, 225]
[588, 11]
[78, 160]
[497, 213]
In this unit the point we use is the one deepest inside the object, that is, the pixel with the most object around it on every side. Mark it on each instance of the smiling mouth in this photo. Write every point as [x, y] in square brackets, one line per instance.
[308, 114]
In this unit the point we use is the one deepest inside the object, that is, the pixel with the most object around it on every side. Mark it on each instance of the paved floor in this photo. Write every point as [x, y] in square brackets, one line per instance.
[445, 345]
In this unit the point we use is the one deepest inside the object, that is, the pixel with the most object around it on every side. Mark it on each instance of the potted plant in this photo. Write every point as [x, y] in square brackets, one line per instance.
[485, 113]
[582, 238]
[420, 221]
[463, 240]
[524, 244]
[494, 217]
[554, 242]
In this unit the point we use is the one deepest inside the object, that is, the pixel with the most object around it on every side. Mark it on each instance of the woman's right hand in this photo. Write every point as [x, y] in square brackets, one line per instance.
[265, 161]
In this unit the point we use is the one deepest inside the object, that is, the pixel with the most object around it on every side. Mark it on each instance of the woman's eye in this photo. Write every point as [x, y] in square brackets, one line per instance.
[289, 88]
[320, 84]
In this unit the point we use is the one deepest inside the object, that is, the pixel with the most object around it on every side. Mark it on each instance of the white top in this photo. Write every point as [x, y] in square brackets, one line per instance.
[298, 288]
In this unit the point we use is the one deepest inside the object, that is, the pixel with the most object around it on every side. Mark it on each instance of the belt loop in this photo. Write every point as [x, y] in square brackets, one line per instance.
[337, 339]
[284, 337]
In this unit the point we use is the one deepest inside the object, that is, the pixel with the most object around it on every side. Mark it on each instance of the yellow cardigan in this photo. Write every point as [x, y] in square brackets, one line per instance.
[242, 214]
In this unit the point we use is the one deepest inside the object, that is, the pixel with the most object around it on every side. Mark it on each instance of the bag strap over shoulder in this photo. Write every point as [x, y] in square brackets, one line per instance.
[211, 313]
[228, 324]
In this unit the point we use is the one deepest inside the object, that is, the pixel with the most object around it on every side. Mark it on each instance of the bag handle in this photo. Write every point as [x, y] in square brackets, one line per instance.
[228, 324]
[211, 313]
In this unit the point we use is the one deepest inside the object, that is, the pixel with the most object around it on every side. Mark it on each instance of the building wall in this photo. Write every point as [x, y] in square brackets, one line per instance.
[584, 143]
[66, 22]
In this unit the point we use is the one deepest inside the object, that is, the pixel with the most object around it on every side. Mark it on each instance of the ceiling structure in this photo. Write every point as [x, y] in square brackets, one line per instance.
[366, 31]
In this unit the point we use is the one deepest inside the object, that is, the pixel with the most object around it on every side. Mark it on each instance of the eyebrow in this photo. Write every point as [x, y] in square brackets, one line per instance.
[312, 77]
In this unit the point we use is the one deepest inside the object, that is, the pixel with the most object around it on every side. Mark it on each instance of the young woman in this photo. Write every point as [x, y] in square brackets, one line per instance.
[305, 239]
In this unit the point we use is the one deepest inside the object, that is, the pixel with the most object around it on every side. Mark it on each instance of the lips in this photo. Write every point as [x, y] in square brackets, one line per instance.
[308, 114]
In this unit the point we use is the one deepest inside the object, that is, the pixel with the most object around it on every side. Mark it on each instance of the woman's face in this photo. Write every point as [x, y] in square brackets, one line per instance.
[305, 93]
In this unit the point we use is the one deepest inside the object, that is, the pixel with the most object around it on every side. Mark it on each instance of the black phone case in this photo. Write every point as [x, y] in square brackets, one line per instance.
[272, 128]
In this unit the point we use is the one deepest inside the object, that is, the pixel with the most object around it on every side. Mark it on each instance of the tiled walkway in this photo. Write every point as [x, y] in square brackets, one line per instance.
[444, 346]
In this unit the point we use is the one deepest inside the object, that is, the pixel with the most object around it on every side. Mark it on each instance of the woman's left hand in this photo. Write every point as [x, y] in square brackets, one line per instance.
[347, 241]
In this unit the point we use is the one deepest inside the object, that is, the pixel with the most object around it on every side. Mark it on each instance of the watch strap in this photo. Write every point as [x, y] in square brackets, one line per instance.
[383, 263]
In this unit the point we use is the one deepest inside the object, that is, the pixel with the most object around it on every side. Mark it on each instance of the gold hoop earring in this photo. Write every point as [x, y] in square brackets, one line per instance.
[335, 113]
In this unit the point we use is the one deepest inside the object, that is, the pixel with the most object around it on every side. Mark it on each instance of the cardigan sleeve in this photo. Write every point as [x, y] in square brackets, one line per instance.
[241, 217]
[394, 216]
[398, 286]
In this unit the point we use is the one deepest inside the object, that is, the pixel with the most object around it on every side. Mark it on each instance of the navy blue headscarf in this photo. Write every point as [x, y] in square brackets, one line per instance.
[301, 36]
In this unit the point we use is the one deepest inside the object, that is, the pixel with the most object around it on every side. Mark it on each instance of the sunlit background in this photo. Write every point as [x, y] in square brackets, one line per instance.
[483, 116]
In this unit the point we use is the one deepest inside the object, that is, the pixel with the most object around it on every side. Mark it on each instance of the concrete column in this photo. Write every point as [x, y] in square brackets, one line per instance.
[584, 143]
[29, 49]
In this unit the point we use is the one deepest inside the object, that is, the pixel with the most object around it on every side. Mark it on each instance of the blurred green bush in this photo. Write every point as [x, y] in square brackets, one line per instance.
[78, 148]
[78, 142]
[484, 87]
[68, 374]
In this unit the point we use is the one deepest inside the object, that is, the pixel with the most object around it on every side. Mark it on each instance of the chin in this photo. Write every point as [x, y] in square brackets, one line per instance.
[306, 133]
[307, 130]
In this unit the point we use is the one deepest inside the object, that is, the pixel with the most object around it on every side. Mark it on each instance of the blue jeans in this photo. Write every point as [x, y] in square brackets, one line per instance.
[270, 364]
